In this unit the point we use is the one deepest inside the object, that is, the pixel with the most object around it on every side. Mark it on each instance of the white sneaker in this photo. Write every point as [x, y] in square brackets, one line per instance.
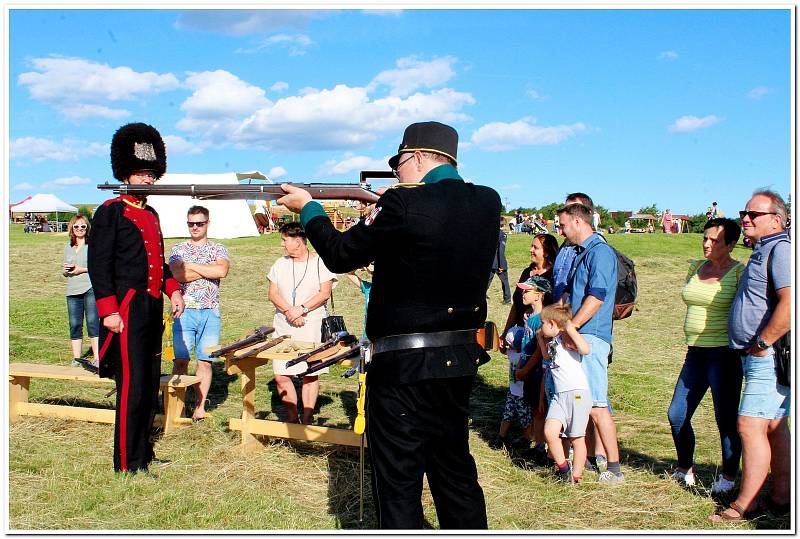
[610, 477]
[686, 478]
[721, 485]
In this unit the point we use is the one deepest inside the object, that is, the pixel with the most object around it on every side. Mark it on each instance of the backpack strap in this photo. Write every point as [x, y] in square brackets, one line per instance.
[772, 294]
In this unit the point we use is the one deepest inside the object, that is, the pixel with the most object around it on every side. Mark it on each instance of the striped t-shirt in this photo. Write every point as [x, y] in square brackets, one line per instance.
[708, 304]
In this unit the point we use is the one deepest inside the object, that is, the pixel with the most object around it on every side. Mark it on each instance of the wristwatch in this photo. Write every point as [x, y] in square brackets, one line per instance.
[305, 309]
[761, 344]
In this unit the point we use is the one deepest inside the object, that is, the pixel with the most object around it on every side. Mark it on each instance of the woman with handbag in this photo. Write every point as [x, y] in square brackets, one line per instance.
[299, 287]
[708, 293]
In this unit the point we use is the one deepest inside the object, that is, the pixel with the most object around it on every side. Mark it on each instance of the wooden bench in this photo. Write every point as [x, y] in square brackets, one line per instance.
[19, 380]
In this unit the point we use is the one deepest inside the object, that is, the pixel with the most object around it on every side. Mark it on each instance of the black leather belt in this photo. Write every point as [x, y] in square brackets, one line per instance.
[412, 341]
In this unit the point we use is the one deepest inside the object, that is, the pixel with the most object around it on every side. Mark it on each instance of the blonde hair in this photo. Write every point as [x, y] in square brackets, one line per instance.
[73, 241]
[560, 313]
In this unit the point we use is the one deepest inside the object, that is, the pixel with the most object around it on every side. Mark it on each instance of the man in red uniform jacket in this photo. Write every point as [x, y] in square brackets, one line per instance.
[129, 274]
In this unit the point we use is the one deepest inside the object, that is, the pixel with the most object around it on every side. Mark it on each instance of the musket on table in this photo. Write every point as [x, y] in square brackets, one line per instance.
[259, 334]
[342, 336]
[255, 191]
[347, 351]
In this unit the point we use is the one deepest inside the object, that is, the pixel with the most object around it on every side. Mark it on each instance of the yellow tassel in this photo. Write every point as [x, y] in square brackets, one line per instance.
[361, 421]
[168, 353]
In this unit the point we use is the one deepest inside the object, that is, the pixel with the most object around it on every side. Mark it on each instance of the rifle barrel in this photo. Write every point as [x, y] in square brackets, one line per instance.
[249, 191]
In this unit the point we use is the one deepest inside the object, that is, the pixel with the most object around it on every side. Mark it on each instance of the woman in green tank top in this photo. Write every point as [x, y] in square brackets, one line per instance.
[708, 293]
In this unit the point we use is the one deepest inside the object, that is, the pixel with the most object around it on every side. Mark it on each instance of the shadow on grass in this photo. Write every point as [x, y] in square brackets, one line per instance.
[486, 408]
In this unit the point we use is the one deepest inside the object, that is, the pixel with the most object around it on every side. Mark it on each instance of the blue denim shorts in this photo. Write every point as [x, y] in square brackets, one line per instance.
[195, 329]
[595, 367]
[763, 396]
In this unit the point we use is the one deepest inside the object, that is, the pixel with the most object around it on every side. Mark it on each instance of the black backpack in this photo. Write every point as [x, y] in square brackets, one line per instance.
[627, 287]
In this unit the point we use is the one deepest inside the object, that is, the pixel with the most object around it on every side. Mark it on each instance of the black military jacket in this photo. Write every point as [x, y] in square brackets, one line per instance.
[433, 247]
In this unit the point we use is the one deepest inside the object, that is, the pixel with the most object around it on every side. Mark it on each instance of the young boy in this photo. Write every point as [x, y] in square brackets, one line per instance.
[569, 409]
[517, 406]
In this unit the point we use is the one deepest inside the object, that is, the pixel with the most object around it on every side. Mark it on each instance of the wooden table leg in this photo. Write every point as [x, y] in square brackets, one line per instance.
[248, 403]
[17, 392]
[174, 401]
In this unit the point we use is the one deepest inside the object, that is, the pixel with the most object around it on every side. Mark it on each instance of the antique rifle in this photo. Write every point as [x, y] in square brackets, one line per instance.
[266, 346]
[341, 336]
[255, 191]
[258, 335]
[347, 351]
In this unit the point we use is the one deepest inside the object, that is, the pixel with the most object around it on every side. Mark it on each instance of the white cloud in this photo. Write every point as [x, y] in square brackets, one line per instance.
[276, 172]
[503, 136]
[280, 86]
[383, 12]
[511, 187]
[668, 55]
[687, 124]
[412, 74]
[67, 182]
[242, 22]
[81, 88]
[180, 146]
[534, 94]
[23, 186]
[758, 92]
[295, 44]
[230, 111]
[37, 149]
[352, 163]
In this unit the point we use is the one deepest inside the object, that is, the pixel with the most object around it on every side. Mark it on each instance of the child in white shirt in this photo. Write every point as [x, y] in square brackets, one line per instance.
[569, 410]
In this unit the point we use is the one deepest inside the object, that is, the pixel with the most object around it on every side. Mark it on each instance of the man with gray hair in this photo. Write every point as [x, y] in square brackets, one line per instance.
[760, 315]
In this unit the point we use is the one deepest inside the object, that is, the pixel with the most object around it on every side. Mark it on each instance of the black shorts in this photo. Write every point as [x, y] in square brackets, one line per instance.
[533, 386]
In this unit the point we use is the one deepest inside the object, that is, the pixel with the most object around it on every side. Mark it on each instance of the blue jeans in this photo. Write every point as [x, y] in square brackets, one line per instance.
[720, 369]
[78, 306]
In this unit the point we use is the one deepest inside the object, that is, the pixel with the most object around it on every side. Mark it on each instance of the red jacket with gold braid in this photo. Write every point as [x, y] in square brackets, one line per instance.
[127, 251]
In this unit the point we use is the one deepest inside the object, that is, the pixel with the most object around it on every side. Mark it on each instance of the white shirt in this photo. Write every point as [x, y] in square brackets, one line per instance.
[565, 366]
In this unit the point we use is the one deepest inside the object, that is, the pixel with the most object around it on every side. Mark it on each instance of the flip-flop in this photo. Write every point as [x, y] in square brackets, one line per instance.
[742, 515]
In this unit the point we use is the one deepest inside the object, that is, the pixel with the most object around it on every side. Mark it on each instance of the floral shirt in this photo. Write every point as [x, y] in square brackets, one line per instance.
[202, 293]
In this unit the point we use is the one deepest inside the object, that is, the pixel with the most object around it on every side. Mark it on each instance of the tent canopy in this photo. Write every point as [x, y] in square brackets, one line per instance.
[44, 203]
[229, 218]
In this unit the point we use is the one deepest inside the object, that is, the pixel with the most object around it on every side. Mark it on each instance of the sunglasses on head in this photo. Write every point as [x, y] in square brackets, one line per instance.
[81, 227]
[192, 224]
[753, 214]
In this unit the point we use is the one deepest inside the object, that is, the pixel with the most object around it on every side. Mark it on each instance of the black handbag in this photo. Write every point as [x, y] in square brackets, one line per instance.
[333, 323]
[782, 348]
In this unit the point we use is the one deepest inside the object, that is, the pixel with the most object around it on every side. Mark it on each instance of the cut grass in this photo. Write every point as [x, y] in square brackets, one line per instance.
[60, 474]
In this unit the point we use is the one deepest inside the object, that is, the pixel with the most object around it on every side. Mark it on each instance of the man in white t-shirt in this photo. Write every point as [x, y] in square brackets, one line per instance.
[299, 287]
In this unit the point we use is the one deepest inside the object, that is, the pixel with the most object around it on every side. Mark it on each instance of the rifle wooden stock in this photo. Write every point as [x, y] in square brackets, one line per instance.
[258, 335]
[249, 191]
[339, 356]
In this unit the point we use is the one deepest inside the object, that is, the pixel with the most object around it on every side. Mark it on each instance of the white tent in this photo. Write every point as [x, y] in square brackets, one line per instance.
[44, 203]
[229, 218]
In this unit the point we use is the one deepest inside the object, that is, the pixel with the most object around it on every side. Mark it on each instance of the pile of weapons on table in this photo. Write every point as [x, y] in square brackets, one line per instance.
[339, 347]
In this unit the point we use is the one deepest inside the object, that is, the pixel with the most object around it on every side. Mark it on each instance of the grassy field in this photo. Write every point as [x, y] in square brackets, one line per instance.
[60, 473]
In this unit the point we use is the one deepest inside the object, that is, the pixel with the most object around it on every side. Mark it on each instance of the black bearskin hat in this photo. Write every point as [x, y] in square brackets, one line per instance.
[137, 147]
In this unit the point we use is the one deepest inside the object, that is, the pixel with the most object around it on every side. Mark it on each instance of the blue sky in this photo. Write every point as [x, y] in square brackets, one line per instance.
[666, 106]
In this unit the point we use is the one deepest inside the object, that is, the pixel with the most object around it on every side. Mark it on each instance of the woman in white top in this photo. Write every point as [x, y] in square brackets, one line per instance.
[299, 287]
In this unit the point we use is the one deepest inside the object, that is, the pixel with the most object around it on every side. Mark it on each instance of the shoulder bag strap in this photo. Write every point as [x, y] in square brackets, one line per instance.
[319, 279]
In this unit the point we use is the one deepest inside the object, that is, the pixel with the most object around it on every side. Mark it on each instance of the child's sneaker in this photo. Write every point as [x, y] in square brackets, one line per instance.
[686, 479]
[564, 474]
[611, 477]
[602, 463]
[721, 485]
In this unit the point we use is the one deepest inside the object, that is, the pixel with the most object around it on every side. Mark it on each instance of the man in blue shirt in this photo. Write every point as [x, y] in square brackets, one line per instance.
[760, 315]
[592, 286]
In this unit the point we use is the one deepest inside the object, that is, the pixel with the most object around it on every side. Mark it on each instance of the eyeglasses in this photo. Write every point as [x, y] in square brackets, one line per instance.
[753, 214]
[79, 227]
[400, 164]
[192, 224]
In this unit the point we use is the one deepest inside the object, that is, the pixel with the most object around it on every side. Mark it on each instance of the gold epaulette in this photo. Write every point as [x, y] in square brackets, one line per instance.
[140, 205]
[398, 184]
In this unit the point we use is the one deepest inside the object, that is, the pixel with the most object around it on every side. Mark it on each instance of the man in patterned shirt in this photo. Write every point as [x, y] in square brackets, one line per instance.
[198, 264]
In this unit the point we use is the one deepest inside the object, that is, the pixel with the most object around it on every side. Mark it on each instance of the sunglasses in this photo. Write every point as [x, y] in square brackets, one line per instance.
[192, 224]
[753, 214]
[79, 227]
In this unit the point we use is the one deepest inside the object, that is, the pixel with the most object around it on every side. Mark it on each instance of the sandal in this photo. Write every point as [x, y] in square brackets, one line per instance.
[741, 514]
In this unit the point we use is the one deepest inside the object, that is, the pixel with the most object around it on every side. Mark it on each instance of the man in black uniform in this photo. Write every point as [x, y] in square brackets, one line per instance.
[432, 245]
[129, 274]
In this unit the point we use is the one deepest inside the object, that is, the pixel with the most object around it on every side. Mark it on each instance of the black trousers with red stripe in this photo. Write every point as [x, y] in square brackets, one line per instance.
[137, 371]
[422, 428]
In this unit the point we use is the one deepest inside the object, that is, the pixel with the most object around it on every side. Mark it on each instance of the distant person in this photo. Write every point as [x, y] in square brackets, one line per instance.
[760, 315]
[596, 221]
[365, 287]
[198, 264]
[666, 221]
[715, 212]
[500, 266]
[80, 294]
[627, 228]
[300, 285]
[129, 276]
[708, 293]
